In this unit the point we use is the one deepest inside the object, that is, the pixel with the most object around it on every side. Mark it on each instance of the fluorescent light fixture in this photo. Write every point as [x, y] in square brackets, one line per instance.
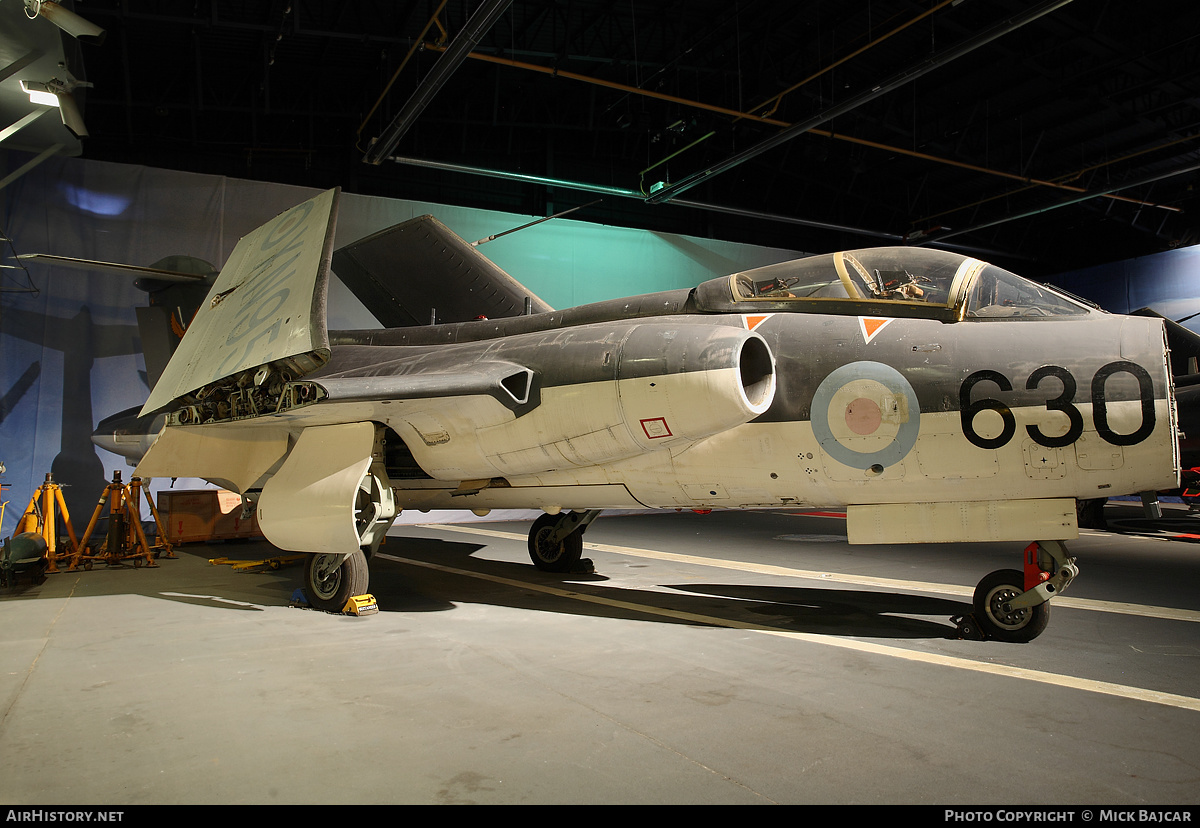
[57, 93]
[66, 20]
[40, 93]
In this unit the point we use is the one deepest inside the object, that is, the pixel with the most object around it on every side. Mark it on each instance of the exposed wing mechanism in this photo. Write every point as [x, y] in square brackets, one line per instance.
[264, 318]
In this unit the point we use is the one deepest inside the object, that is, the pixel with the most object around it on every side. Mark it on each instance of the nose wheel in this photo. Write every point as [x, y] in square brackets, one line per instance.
[996, 615]
[1013, 606]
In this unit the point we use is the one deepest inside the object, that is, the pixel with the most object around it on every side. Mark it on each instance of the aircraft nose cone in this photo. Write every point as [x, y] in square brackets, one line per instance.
[105, 440]
[127, 434]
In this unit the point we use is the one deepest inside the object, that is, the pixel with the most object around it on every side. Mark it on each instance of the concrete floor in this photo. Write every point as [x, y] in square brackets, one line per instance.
[728, 658]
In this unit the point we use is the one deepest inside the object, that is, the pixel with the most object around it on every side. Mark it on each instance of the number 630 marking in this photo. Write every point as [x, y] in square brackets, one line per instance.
[1063, 402]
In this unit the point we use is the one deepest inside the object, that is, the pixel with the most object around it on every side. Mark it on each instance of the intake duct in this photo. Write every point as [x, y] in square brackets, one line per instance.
[674, 384]
[695, 383]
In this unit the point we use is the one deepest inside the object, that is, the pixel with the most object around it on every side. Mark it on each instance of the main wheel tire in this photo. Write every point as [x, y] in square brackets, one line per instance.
[1017, 626]
[548, 557]
[330, 585]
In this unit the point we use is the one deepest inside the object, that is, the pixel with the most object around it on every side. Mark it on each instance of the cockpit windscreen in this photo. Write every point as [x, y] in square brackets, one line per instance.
[913, 277]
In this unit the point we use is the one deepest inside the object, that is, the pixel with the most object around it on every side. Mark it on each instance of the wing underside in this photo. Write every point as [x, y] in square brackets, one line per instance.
[420, 271]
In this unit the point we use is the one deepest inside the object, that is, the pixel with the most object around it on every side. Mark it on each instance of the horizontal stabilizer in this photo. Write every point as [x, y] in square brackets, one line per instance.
[197, 269]
[414, 272]
[265, 312]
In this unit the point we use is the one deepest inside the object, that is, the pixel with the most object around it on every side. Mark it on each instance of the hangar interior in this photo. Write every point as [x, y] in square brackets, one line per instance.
[690, 140]
[1049, 137]
[1057, 140]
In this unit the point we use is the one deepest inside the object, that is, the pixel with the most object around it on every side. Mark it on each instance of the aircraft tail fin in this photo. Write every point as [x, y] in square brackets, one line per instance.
[264, 318]
[176, 286]
[419, 271]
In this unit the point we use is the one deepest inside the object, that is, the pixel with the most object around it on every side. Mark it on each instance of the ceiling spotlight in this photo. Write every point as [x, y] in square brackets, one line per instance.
[40, 93]
[66, 20]
[55, 92]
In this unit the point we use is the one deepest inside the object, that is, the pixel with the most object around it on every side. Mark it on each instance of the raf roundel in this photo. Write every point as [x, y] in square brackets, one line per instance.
[865, 415]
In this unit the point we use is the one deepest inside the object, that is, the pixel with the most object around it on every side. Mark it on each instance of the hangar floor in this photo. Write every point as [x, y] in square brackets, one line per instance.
[726, 658]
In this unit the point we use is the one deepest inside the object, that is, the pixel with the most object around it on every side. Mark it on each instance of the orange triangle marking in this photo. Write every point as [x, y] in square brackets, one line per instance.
[753, 322]
[871, 325]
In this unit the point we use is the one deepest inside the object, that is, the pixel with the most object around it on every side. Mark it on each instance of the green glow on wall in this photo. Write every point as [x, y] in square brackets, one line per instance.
[564, 261]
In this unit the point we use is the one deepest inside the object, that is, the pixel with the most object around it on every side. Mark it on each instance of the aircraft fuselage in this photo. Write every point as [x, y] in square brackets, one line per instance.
[906, 408]
[934, 397]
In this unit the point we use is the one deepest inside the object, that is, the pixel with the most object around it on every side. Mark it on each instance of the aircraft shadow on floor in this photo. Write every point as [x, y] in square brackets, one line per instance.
[840, 611]
[401, 584]
[828, 611]
[1185, 528]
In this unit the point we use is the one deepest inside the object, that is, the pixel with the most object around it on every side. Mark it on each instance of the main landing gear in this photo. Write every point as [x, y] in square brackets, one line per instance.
[556, 541]
[331, 580]
[1013, 605]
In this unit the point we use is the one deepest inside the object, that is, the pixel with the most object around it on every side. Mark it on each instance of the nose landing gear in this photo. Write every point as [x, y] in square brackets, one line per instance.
[1013, 606]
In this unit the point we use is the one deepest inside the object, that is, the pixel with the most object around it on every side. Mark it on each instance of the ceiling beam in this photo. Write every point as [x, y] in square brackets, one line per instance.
[921, 68]
[451, 59]
[1149, 179]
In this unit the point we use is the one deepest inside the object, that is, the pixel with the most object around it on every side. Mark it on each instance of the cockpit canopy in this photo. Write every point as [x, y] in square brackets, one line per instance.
[889, 281]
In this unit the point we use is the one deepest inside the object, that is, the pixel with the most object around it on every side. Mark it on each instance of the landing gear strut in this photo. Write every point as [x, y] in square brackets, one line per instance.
[1010, 605]
[556, 541]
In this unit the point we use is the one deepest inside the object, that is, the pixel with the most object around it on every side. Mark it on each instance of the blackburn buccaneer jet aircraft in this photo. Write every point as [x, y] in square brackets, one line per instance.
[934, 397]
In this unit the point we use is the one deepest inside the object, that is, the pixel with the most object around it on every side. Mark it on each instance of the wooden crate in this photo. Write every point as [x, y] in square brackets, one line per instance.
[205, 515]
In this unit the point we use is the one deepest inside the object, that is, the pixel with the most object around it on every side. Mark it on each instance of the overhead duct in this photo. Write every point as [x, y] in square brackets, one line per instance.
[451, 59]
[668, 192]
[1149, 179]
[602, 189]
[766, 119]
